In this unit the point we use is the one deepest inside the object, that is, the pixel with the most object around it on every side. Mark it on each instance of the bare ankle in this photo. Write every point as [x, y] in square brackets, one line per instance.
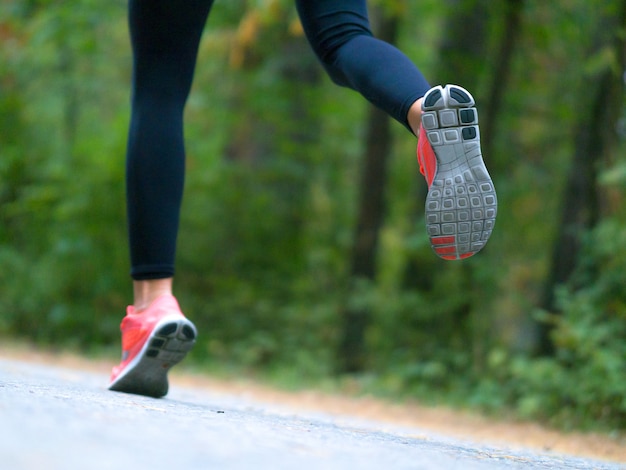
[147, 291]
[414, 117]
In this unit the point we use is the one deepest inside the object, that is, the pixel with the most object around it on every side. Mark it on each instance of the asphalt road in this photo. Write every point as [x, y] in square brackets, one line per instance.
[58, 418]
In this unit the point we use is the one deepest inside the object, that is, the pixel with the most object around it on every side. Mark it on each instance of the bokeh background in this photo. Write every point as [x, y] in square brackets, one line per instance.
[303, 252]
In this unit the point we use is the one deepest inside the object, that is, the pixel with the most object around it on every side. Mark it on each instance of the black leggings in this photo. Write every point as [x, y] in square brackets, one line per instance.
[165, 35]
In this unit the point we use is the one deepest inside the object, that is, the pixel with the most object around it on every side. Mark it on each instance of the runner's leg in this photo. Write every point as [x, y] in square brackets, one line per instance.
[165, 35]
[340, 35]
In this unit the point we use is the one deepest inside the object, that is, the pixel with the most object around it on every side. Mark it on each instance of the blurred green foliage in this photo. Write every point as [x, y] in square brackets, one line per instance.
[273, 161]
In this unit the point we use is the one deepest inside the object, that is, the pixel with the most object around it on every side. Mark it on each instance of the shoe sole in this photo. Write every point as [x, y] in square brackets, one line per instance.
[461, 204]
[168, 344]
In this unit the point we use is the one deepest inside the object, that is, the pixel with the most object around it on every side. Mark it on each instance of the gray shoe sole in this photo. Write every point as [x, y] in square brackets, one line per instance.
[461, 205]
[168, 344]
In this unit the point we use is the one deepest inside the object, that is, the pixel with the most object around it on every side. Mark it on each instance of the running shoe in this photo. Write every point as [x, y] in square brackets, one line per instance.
[152, 342]
[461, 204]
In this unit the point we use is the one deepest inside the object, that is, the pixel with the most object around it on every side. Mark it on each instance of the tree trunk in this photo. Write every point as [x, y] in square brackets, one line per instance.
[511, 32]
[595, 136]
[462, 62]
[371, 212]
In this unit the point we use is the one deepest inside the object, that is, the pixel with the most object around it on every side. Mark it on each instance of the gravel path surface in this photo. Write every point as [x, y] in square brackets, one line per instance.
[62, 418]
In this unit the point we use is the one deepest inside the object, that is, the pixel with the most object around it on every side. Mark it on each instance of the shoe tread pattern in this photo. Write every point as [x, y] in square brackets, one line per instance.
[461, 204]
[168, 344]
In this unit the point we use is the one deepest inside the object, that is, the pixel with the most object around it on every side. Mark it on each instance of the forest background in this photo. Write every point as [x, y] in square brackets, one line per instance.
[303, 251]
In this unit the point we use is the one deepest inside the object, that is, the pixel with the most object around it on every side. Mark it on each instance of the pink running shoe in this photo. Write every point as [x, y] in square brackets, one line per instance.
[461, 205]
[152, 342]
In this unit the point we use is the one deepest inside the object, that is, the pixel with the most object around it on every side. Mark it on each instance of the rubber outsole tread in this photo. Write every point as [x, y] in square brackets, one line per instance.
[461, 205]
[167, 346]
